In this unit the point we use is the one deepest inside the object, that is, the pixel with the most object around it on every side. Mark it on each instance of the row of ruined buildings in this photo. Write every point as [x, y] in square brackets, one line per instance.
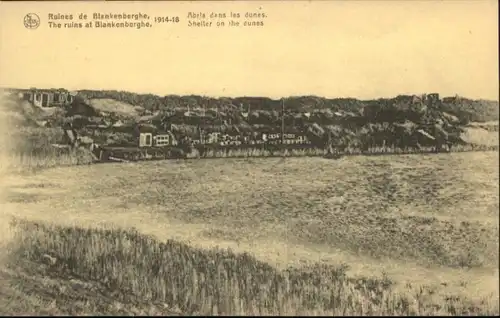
[46, 98]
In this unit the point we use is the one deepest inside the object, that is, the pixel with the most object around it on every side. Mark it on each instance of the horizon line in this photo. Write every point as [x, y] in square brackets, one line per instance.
[441, 96]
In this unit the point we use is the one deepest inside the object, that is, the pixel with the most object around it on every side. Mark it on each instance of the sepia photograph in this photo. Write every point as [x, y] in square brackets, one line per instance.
[312, 158]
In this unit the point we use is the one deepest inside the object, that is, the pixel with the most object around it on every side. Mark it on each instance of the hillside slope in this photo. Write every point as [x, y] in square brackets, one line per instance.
[473, 110]
[109, 105]
[399, 122]
[351, 122]
[32, 288]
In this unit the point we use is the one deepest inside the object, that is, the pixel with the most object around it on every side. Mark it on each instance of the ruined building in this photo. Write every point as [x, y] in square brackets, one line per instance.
[47, 97]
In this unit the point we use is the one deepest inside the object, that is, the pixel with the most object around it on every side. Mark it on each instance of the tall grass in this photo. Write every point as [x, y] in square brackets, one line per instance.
[260, 152]
[211, 282]
[235, 152]
[22, 162]
[32, 149]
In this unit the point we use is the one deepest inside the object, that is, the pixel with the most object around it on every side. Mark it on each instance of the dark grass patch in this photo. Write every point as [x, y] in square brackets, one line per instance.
[131, 266]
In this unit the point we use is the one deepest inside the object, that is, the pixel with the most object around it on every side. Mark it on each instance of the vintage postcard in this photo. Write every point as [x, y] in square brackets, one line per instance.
[249, 158]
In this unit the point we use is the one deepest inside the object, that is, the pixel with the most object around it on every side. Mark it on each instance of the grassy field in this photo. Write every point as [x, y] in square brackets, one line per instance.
[361, 235]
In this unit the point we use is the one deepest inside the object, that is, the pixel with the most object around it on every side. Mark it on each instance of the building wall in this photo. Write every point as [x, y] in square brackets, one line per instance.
[52, 98]
[37, 99]
[149, 139]
[145, 139]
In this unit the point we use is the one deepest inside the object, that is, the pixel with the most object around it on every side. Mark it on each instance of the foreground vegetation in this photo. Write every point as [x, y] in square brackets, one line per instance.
[137, 269]
[83, 269]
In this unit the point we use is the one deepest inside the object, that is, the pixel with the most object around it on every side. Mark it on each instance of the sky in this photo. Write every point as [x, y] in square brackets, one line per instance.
[361, 49]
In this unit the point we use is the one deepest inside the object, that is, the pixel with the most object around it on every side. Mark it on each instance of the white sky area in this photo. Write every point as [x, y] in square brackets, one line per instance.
[361, 49]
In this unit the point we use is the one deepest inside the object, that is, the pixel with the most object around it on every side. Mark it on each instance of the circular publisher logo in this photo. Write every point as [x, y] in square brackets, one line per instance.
[31, 21]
